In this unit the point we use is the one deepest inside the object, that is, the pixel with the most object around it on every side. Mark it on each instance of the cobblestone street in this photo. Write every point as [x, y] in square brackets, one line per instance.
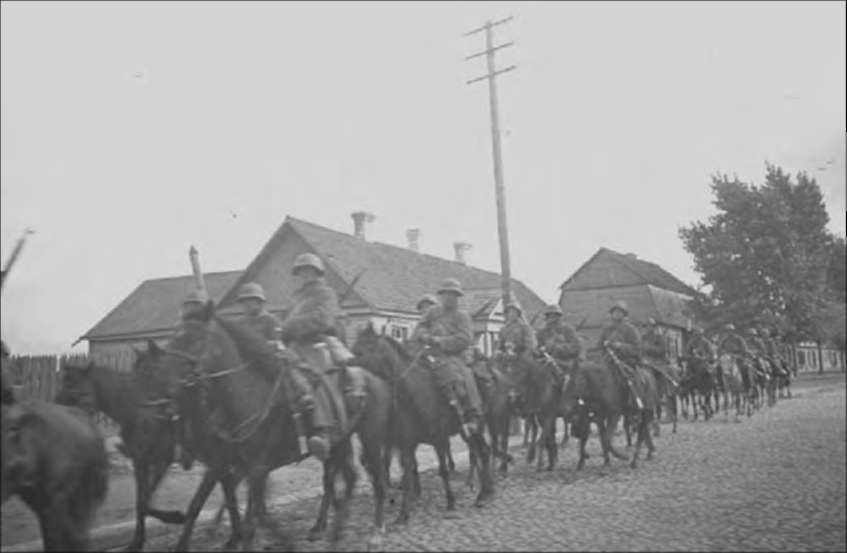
[773, 482]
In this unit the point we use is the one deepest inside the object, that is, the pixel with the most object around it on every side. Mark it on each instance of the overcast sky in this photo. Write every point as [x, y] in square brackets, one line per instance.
[130, 131]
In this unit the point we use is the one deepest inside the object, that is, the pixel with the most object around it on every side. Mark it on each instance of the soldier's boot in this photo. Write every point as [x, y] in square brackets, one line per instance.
[471, 415]
[355, 391]
[453, 400]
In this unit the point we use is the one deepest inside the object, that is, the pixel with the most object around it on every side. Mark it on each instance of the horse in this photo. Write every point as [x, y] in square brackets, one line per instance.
[733, 385]
[146, 429]
[54, 459]
[699, 385]
[594, 393]
[539, 395]
[420, 414]
[499, 402]
[217, 371]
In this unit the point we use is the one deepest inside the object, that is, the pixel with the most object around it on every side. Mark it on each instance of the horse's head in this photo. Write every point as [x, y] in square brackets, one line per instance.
[198, 347]
[78, 386]
[378, 353]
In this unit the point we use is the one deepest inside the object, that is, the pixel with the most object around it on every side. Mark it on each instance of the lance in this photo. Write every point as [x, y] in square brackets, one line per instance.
[198, 273]
[15, 253]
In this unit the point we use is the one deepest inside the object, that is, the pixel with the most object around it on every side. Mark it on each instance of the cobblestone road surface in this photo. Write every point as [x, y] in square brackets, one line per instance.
[773, 482]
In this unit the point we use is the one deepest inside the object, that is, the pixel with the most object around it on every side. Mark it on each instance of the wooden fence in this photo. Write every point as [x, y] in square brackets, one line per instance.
[40, 376]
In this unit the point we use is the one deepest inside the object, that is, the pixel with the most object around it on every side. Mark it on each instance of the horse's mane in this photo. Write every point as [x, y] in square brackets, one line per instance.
[399, 348]
[250, 345]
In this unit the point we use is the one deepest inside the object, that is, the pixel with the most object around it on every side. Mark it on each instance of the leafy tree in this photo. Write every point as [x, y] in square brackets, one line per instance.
[765, 256]
[837, 273]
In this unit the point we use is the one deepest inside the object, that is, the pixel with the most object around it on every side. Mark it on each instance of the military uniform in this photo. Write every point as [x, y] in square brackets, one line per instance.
[519, 334]
[700, 347]
[313, 319]
[559, 338]
[625, 341]
[451, 334]
[656, 351]
[418, 339]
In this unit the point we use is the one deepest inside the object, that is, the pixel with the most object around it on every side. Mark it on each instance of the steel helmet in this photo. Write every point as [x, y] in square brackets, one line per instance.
[195, 296]
[553, 309]
[620, 305]
[426, 298]
[729, 326]
[451, 285]
[651, 321]
[252, 290]
[514, 304]
[753, 332]
[308, 260]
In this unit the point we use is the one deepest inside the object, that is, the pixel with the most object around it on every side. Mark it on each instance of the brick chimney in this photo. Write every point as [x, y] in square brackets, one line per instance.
[460, 248]
[360, 222]
[412, 235]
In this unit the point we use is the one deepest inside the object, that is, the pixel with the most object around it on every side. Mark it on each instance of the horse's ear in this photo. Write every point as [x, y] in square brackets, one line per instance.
[208, 311]
[153, 348]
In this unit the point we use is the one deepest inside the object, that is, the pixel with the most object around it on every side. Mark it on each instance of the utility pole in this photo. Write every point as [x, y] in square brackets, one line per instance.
[491, 75]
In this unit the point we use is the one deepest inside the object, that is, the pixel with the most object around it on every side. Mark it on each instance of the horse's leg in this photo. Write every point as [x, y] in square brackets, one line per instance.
[210, 478]
[407, 461]
[604, 442]
[565, 432]
[651, 447]
[140, 471]
[531, 432]
[342, 506]
[229, 483]
[317, 531]
[483, 455]
[451, 465]
[443, 471]
[526, 431]
[641, 430]
[552, 450]
[627, 428]
[610, 432]
[372, 451]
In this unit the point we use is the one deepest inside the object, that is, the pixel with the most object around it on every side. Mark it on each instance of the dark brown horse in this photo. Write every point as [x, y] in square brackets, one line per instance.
[239, 425]
[420, 415]
[595, 393]
[146, 429]
[539, 399]
[54, 459]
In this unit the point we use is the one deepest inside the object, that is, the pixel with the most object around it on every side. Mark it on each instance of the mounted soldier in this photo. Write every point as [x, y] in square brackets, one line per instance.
[192, 304]
[449, 337]
[558, 338]
[310, 330]
[516, 337]
[656, 352]
[417, 341]
[621, 344]
[757, 350]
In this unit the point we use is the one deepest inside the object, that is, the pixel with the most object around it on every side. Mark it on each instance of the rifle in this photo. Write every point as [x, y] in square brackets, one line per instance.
[15, 253]
[198, 273]
[619, 365]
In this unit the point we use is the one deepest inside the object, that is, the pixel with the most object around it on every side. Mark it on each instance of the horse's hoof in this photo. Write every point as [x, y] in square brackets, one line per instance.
[315, 534]
[376, 542]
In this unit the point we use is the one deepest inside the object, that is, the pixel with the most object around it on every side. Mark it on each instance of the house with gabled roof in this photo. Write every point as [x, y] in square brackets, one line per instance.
[649, 291]
[376, 283]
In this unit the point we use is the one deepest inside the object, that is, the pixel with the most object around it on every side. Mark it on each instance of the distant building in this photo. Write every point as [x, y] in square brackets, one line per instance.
[649, 291]
[809, 358]
[376, 283]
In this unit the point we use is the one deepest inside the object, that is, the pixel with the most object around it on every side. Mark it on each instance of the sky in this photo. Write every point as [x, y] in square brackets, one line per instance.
[131, 131]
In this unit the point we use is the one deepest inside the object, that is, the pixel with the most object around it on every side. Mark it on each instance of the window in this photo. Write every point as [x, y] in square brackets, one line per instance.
[801, 358]
[813, 360]
[399, 332]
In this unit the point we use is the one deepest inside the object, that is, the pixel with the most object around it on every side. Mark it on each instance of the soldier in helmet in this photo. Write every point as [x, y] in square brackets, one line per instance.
[269, 327]
[700, 347]
[559, 339]
[450, 336]
[624, 342]
[417, 340]
[757, 350]
[255, 316]
[516, 336]
[192, 304]
[312, 320]
[656, 351]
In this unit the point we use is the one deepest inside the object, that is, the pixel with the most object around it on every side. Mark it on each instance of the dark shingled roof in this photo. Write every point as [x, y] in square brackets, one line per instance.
[645, 271]
[394, 278]
[153, 305]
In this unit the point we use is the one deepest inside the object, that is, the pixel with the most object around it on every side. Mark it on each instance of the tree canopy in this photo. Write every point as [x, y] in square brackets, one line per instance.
[766, 256]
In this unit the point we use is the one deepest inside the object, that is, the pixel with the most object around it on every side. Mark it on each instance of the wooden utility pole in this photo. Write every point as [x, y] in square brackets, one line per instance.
[491, 75]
